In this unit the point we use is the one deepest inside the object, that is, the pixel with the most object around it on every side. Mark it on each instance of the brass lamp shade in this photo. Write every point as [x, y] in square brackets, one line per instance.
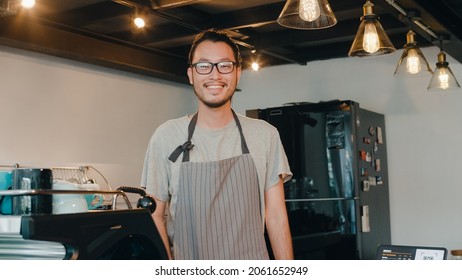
[412, 62]
[370, 39]
[307, 14]
[443, 78]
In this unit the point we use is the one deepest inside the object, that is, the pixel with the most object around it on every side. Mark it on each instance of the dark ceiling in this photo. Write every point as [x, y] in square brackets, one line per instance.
[99, 31]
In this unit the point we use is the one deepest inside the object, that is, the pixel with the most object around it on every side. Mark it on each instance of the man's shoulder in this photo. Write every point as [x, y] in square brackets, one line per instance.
[173, 124]
[171, 129]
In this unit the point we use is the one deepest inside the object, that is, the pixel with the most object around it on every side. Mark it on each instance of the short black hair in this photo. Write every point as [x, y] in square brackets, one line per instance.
[215, 36]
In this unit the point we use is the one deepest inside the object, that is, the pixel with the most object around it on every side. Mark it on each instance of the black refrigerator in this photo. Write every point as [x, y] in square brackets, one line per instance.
[338, 198]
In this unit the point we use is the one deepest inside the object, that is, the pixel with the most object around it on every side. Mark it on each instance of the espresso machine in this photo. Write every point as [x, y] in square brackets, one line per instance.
[34, 230]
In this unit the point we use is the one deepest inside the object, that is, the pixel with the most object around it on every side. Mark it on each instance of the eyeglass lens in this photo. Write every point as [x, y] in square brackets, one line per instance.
[224, 67]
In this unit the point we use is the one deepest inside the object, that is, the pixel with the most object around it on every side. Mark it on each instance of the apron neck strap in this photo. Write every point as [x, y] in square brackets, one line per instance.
[245, 149]
[187, 146]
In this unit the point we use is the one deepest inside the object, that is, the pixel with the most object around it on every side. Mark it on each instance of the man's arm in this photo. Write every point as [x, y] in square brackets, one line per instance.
[277, 222]
[159, 219]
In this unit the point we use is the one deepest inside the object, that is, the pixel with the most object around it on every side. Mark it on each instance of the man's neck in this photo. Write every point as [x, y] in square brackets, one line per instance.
[214, 118]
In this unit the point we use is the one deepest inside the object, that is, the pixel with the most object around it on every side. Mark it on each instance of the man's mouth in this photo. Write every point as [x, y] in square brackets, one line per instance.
[215, 85]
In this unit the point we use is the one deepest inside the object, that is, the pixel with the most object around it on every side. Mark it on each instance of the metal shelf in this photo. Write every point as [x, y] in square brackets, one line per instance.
[322, 199]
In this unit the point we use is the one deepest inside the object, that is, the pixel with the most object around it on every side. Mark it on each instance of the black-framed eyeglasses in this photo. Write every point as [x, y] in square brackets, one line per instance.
[223, 67]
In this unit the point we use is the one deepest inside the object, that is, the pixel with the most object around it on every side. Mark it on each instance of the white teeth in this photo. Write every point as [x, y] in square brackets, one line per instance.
[214, 86]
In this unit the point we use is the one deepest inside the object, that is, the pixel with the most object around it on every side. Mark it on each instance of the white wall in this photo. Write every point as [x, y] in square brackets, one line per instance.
[423, 133]
[56, 112]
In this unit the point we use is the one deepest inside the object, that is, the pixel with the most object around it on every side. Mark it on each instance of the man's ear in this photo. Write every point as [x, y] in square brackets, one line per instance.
[189, 72]
[239, 71]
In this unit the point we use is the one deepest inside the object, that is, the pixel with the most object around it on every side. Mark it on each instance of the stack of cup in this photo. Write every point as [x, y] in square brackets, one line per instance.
[32, 179]
[6, 182]
[75, 202]
[68, 203]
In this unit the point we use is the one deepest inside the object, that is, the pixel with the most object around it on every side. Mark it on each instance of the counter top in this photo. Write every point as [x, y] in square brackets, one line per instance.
[102, 234]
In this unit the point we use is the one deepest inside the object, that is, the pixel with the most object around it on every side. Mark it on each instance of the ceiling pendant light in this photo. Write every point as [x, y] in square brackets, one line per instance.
[28, 3]
[255, 65]
[307, 14]
[443, 78]
[412, 62]
[138, 20]
[370, 39]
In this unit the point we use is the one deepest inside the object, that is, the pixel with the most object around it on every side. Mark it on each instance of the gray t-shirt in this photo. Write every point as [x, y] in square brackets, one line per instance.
[161, 176]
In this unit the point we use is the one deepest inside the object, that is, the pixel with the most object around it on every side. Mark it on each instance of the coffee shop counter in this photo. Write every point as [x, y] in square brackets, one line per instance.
[13, 246]
[100, 234]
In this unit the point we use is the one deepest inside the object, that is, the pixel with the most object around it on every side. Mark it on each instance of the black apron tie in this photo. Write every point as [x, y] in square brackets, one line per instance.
[181, 149]
[187, 146]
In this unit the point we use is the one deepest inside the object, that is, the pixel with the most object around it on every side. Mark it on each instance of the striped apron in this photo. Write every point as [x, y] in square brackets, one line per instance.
[217, 213]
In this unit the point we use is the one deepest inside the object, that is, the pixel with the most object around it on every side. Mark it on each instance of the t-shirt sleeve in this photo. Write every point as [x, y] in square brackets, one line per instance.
[154, 176]
[277, 162]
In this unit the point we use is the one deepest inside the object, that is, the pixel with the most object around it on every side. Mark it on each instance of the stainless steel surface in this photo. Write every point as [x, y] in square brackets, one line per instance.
[115, 194]
[14, 247]
[76, 174]
[322, 199]
[81, 175]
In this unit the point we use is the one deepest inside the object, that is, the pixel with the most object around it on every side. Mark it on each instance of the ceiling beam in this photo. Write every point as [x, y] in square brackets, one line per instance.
[35, 36]
[80, 16]
[197, 27]
[170, 4]
[249, 17]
